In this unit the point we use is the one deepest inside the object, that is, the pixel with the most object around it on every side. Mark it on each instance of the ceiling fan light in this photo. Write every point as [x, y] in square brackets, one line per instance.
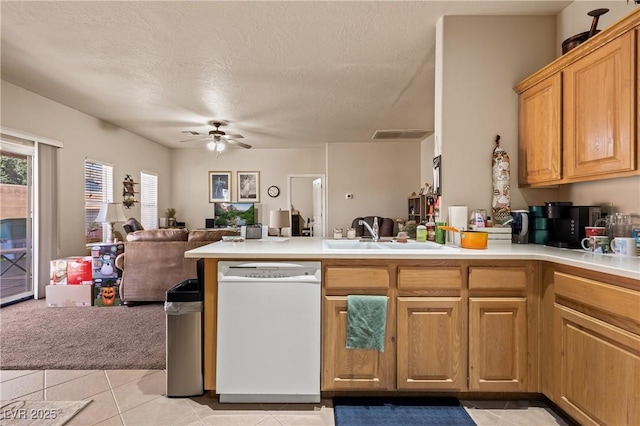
[219, 147]
[211, 146]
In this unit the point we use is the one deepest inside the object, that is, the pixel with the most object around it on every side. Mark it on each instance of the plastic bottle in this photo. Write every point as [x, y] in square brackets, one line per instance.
[421, 232]
[431, 229]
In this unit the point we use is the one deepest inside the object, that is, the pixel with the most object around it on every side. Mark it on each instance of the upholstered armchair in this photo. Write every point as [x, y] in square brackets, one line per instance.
[385, 226]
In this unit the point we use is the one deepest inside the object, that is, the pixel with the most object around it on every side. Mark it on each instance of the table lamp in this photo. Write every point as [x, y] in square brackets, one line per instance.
[111, 213]
[279, 219]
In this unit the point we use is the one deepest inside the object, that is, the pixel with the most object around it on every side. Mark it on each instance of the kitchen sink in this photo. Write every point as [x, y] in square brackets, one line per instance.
[383, 245]
[414, 245]
[351, 245]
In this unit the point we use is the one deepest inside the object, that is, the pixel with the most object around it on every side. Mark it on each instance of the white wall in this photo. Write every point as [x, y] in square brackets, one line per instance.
[380, 175]
[481, 59]
[84, 137]
[190, 170]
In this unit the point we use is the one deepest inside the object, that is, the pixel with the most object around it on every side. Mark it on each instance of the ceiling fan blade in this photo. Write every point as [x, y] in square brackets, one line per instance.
[196, 139]
[228, 136]
[192, 132]
[241, 144]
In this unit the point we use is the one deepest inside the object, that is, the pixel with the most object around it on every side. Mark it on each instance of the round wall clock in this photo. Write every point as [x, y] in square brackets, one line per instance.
[273, 191]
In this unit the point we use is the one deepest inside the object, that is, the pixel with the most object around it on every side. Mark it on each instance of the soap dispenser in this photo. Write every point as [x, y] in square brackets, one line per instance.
[421, 232]
[376, 227]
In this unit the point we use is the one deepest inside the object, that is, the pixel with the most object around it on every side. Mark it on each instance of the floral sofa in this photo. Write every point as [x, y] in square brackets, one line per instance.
[153, 261]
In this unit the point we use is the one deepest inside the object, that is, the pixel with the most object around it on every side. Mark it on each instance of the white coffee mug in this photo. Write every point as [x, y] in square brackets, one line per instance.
[624, 246]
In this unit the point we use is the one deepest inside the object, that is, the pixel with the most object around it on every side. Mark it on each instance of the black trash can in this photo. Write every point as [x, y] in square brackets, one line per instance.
[184, 311]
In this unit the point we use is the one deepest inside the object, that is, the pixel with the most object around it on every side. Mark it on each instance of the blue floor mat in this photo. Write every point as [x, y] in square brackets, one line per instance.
[400, 412]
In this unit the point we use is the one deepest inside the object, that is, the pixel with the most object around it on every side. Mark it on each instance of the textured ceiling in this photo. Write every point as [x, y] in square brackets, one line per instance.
[282, 74]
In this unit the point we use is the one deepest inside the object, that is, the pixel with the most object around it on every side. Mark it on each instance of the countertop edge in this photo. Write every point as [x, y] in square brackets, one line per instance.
[609, 264]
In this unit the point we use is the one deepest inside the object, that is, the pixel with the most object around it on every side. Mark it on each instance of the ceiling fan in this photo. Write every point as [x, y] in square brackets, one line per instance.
[217, 138]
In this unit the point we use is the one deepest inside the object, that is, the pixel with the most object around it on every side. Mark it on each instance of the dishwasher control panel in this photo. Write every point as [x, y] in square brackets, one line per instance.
[268, 271]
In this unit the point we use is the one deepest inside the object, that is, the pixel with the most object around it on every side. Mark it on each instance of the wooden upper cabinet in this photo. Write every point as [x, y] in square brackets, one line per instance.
[599, 111]
[578, 116]
[539, 132]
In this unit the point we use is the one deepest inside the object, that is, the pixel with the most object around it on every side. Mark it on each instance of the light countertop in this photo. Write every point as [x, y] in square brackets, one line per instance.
[312, 248]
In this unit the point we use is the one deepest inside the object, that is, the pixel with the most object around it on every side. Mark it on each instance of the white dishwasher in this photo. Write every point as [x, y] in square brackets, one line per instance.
[268, 346]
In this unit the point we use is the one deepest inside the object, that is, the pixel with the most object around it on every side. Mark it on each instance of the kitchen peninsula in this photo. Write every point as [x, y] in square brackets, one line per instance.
[514, 320]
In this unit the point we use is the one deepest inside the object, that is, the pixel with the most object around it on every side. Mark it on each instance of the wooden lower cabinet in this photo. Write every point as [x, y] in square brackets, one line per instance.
[498, 344]
[353, 369]
[595, 350]
[430, 354]
[599, 367]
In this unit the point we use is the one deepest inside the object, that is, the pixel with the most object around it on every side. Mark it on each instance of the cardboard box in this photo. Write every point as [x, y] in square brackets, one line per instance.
[73, 270]
[80, 271]
[58, 272]
[107, 292]
[104, 259]
[59, 296]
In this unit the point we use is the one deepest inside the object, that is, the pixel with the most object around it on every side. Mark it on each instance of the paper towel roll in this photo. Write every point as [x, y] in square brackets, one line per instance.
[459, 219]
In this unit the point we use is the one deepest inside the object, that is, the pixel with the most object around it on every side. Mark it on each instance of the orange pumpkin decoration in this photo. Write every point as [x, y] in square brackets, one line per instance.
[108, 295]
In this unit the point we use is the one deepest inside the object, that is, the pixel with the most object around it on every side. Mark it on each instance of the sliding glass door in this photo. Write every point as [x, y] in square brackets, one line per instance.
[16, 239]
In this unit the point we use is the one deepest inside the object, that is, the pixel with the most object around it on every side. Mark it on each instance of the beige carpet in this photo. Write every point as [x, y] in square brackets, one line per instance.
[39, 413]
[36, 337]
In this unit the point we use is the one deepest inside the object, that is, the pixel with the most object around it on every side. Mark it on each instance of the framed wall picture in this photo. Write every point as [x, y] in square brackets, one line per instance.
[219, 186]
[249, 187]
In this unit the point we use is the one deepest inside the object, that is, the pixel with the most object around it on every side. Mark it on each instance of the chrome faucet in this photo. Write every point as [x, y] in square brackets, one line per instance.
[373, 231]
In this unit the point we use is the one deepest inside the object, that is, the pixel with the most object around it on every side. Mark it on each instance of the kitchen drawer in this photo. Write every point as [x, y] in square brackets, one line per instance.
[498, 278]
[340, 278]
[411, 279]
[604, 297]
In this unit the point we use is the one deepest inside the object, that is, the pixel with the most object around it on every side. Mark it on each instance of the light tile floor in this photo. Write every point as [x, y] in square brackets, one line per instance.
[137, 398]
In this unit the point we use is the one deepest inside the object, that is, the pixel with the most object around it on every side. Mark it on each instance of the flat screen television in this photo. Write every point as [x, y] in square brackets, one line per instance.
[233, 214]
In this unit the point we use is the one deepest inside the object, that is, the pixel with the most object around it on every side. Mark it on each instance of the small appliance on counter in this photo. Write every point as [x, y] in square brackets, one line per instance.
[566, 223]
[538, 225]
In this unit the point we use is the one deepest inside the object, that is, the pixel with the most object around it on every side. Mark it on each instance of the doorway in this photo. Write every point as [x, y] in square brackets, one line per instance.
[306, 193]
[16, 241]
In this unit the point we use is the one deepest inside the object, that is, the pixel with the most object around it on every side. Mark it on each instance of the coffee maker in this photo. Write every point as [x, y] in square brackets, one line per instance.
[567, 222]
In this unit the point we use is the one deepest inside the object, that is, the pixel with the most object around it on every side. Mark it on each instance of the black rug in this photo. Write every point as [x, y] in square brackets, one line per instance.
[400, 412]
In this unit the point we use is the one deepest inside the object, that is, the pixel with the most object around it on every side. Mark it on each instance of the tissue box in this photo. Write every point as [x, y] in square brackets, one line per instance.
[60, 296]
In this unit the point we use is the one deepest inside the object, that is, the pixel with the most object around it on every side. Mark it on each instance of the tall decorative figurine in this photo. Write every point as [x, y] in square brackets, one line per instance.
[501, 187]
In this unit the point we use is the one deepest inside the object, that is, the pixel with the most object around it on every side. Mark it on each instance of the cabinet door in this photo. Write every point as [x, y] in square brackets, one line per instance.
[498, 344]
[599, 367]
[539, 138]
[599, 111]
[353, 369]
[430, 344]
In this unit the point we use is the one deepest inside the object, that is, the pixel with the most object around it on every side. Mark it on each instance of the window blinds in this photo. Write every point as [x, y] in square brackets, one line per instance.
[98, 189]
[148, 200]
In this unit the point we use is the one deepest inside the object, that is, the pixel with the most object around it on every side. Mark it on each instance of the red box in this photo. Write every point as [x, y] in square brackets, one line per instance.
[79, 270]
